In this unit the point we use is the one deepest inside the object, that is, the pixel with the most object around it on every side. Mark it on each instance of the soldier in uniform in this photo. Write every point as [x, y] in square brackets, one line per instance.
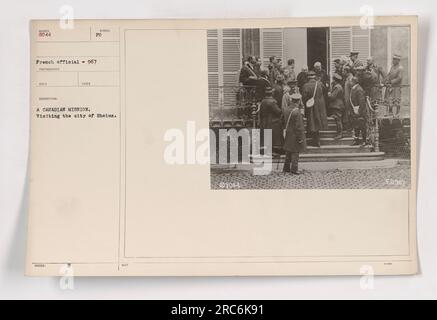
[295, 141]
[292, 88]
[354, 62]
[336, 103]
[278, 89]
[316, 114]
[365, 79]
[347, 79]
[338, 67]
[270, 118]
[359, 113]
[273, 69]
[377, 76]
[393, 83]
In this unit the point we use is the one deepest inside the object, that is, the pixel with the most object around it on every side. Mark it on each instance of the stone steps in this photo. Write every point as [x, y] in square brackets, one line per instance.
[328, 157]
[339, 149]
[334, 157]
[345, 141]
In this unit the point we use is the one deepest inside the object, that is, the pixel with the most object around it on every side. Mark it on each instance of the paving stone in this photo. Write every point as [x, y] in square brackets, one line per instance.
[398, 177]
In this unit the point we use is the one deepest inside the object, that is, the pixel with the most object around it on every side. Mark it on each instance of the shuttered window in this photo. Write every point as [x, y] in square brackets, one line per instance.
[213, 68]
[341, 44]
[361, 42]
[271, 45]
[224, 64]
[346, 39]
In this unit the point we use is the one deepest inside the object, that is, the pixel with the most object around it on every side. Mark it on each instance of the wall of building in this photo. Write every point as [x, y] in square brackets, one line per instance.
[295, 46]
[386, 41]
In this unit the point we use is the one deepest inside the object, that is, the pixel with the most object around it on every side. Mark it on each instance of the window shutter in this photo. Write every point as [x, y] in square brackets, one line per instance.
[361, 42]
[271, 45]
[231, 40]
[213, 69]
[341, 44]
[224, 64]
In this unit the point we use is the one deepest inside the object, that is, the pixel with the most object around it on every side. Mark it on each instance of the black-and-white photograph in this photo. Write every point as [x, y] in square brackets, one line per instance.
[310, 108]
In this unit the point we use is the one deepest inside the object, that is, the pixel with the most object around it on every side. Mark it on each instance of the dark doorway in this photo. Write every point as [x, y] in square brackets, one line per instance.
[318, 47]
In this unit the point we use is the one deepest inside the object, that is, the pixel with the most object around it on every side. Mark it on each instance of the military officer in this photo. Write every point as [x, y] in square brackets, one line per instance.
[365, 79]
[270, 119]
[347, 79]
[377, 76]
[359, 113]
[354, 62]
[338, 67]
[295, 141]
[393, 83]
[336, 103]
[278, 89]
[292, 88]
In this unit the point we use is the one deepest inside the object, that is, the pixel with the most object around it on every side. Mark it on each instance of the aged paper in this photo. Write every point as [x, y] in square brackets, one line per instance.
[113, 194]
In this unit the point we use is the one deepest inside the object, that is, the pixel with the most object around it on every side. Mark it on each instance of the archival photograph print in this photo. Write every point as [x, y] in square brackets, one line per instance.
[310, 108]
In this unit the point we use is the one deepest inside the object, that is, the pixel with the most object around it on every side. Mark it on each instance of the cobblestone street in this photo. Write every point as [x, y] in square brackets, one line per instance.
[397, 177]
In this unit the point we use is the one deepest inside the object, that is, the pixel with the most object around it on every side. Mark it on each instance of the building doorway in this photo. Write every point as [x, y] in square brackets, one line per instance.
[317, 44]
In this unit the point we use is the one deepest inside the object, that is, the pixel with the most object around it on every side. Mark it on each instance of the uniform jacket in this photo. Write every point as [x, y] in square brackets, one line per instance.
[336, 99]
[316, 116]
[270, 118]
[358, 98]
[278, 93]
[355, 64]
[394, 77]
[295, 140]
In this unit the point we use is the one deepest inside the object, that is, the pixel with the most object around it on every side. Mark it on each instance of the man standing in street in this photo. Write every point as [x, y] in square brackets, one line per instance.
[393, 83]
[359, 114]
[315, 108]
[294, 134]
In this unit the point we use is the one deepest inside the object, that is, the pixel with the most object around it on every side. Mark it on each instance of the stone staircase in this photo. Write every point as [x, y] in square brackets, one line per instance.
[332, 149]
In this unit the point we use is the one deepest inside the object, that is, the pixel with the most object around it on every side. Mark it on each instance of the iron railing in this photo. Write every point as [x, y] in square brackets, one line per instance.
[238, 106]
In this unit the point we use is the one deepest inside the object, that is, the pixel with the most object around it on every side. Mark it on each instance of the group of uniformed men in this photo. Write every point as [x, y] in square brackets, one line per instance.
[286, 97]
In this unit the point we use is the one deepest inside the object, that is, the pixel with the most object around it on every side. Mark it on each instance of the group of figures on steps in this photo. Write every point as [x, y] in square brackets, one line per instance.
[285, 98]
